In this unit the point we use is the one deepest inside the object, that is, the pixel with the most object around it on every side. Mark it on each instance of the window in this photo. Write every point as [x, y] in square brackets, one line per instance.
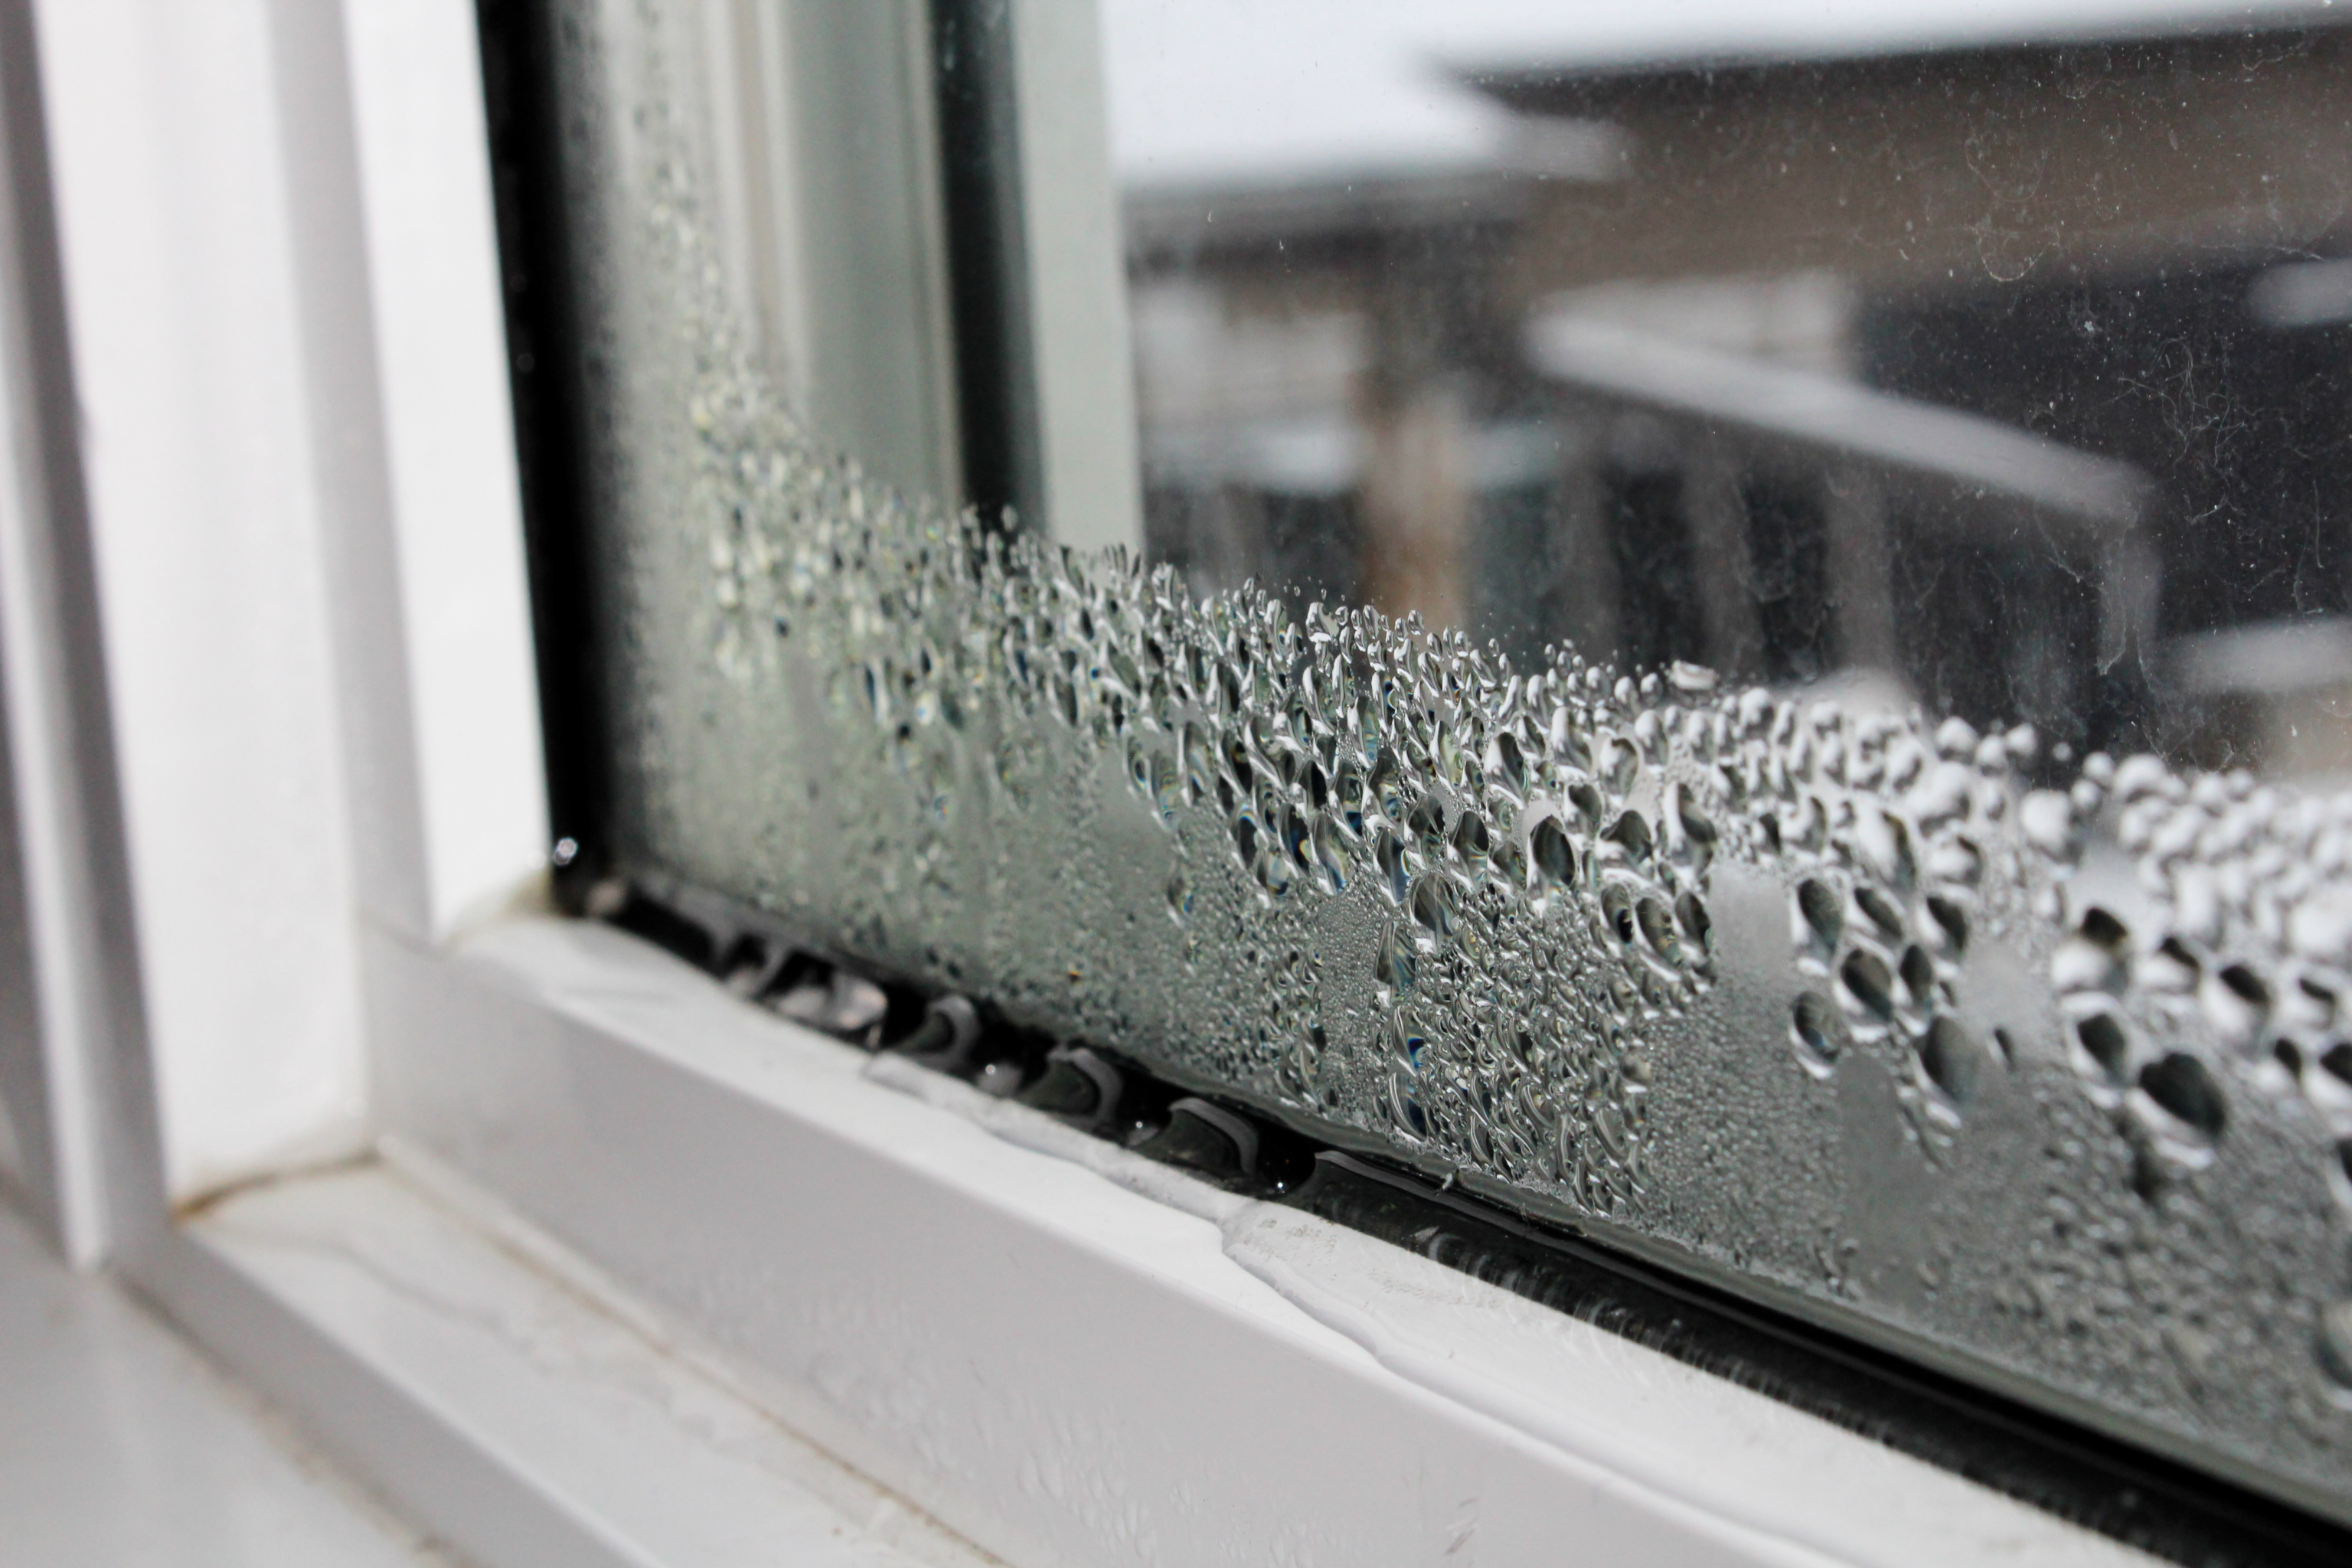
[1727, 644]
[1686, 661]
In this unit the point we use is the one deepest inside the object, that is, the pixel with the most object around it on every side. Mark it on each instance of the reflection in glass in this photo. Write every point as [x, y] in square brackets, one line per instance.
[1990, 357]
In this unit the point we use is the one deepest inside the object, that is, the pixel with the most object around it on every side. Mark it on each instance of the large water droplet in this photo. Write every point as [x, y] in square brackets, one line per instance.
[1275, 868]
[1918, 972]
[1885, 848]
[2106, 1047]
[1553, 857]
[1698, 828]
[1297, 842]
[1472, 841]
[1388, 854]
[1397, 963]
[1881, 909]
[1867, 983]
[1509, 764]
[1167, 786]
[1197, 767]
[2047, 818]
[1436, 904]
[2237, 1002]
[1620, 765]
[1817, 1032]
[1426, 823]
[1950, 1059]
[1951, 921]
[1698, 925]
[1631, 833]
[1823, 921]
[1617, 909]
[1331, 852]
[2335, 1346]
[1657, 927]
[2184, 1088]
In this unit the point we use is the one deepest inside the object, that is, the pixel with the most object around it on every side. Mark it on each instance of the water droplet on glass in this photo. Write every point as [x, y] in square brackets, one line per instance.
[1472, 841]
[1167, 785]
[2184, 1088]
[1867, 983]
[1918, 972]
[1823, 921]
[2236, 1003]
[1817, 1032]
[1657, 927]
[2106, 1047]
[2047, 818]
[1332, 851]
[1435, 903]
[1950, 1058]
[1630, 833]
[1397, 963]
[1553, 857]
[1691, 680]
[1951, 921]
[1881, 909]
[1388, 854]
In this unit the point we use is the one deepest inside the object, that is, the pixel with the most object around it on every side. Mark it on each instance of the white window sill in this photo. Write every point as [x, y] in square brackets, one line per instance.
[1065, 1353]
[120, 1446]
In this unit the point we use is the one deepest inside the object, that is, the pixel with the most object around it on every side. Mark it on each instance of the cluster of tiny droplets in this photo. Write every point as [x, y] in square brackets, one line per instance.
[1561, 829]
[1540, 852]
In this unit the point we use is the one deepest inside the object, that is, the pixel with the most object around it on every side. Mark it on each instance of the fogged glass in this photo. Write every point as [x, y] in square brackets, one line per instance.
[1784, 716]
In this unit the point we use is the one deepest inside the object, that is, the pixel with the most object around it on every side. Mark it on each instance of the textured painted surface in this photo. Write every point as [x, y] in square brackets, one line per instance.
[648, 1456]
[119, 1445]
[1069, 1352]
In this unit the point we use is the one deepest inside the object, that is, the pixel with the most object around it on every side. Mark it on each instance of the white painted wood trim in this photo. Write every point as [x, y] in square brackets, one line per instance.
[46, 1027]
[282, 301]
[201, 443]
[1068, 1354]
[503, 1410]
[1076, 286]
[432, 268]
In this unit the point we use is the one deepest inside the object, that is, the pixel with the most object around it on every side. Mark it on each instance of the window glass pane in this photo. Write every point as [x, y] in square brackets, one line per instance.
[1986, 356]
[1739, 643]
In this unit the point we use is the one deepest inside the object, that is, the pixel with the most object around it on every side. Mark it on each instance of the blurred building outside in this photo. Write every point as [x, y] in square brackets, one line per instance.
[2010, 377]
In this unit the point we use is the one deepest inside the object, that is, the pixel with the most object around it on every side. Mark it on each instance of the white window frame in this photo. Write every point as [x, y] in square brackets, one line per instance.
[273, 726]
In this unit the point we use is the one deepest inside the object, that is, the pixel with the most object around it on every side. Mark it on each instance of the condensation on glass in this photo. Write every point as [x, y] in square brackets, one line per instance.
[1786, 711]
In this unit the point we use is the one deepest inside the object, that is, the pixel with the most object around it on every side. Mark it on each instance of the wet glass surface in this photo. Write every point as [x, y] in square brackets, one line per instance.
[1786, 722]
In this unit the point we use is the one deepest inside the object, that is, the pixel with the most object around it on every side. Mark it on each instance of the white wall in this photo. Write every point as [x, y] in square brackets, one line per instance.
[172, 202]
[295, 438]
[456, 518]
